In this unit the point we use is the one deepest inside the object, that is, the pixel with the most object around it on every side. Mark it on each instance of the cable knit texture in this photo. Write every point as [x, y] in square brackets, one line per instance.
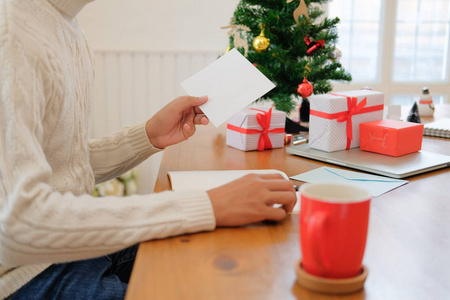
[48, 167]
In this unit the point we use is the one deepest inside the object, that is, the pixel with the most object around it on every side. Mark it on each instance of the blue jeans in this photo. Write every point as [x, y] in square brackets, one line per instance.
[102, 278]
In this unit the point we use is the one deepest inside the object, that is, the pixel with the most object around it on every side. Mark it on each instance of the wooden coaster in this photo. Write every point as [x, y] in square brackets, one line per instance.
[328, 285]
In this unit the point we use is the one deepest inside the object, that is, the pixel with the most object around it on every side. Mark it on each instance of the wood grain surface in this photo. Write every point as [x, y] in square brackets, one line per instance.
[407, 252]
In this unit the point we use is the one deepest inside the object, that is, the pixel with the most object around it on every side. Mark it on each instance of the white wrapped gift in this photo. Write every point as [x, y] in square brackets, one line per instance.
[256, 129]
[335, 118]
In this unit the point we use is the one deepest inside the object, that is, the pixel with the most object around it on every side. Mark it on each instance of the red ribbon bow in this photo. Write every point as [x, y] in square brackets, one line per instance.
[313, 46]
[264, 121]
[346, 116]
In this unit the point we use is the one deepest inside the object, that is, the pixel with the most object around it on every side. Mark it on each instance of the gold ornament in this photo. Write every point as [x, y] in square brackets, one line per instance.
[261, 43]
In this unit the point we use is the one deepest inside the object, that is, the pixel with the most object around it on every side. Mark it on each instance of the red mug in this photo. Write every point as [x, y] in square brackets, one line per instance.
[334, 219]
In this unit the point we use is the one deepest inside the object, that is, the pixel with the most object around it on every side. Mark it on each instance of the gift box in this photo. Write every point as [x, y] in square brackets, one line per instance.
[391, 137]
[335, 118]
[256, 129]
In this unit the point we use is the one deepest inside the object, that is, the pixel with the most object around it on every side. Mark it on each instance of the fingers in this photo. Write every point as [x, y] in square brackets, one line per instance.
[280, 185]
[275, 214]
[201, 100]
[251, 198]
[279, 213]
[188, 102]
[286, 199]
[197, 110]
[188, 131]
[272, 176]
[201, 119]
[281, 191]
[275, 182]
[183, 103]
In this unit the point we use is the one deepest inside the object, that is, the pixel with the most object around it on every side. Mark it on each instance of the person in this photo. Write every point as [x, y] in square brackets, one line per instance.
[57, 241]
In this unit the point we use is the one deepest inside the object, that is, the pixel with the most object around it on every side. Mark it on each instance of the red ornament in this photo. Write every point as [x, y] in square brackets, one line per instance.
[313, 46]
[305, 89]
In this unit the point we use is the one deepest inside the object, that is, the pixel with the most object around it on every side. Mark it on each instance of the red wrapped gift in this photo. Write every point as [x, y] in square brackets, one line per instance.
[391, 137]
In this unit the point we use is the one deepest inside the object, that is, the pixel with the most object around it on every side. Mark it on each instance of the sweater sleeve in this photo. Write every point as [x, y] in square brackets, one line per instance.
[39, 224]
[114, 155]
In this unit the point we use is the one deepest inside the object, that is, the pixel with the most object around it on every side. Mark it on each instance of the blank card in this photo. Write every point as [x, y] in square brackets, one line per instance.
[231, 83]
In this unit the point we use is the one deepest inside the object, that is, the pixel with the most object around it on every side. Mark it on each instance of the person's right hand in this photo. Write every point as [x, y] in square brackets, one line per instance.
[251, 199]
[176, 121]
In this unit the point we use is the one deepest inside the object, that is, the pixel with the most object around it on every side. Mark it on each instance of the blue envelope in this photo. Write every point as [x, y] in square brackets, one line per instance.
[377, 185]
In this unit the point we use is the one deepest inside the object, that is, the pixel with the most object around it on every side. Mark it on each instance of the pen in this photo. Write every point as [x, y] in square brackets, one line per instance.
[299, 139]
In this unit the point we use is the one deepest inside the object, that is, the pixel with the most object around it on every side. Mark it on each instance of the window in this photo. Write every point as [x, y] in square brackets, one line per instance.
[358, 19]
[395, 46]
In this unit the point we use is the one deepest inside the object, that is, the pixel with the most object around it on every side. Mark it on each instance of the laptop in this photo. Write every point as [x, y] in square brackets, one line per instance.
[394, 167]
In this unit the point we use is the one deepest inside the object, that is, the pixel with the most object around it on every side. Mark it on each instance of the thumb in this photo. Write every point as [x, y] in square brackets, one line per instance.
[196, 101]
[187, 102]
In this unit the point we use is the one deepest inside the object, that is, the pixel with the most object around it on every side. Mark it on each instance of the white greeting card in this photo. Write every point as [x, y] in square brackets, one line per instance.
[231, 83]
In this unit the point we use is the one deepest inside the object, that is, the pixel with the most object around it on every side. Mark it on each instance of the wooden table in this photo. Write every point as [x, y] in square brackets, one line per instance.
[407, 252]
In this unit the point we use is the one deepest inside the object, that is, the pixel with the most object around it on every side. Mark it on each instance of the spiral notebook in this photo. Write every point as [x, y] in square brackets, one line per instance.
[439, 128]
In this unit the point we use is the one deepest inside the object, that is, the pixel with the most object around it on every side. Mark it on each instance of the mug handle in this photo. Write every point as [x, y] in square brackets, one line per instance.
[315, 237]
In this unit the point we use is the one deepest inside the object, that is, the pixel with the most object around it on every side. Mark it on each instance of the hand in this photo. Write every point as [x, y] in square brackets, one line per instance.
[176, 121]
[251, 199]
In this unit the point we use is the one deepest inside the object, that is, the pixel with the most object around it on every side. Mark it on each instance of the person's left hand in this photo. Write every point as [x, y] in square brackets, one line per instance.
[176, 121]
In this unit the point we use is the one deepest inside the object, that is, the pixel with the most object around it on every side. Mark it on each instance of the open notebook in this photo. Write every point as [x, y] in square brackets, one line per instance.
[206, 180]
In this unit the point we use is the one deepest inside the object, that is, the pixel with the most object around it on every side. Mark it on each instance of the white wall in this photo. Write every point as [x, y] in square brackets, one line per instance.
[144, 49]
[145, 25]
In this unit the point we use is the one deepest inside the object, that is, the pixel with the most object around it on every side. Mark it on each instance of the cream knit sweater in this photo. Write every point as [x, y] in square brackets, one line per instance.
[48, 167]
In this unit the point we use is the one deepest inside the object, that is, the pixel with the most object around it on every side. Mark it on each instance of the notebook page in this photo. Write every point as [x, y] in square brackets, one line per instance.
[206, 180]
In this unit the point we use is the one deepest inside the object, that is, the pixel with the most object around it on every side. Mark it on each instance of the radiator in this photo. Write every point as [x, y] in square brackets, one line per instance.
[132, 86]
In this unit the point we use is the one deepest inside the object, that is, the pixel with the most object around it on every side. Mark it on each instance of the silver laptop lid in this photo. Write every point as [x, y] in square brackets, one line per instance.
[395, 167]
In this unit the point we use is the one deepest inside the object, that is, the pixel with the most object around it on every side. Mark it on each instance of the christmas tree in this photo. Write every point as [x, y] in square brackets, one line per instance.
[287, 43]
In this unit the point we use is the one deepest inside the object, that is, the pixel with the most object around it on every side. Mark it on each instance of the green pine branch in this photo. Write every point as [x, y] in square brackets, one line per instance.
[286, 59]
